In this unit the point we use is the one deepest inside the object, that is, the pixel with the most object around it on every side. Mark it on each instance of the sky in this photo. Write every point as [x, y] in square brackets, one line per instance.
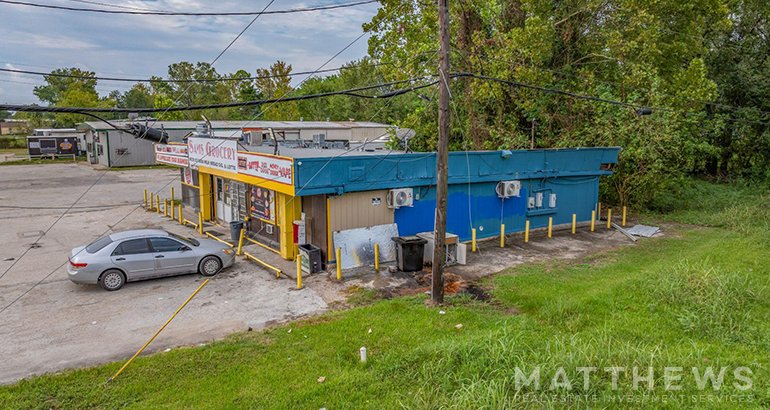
[138, 46]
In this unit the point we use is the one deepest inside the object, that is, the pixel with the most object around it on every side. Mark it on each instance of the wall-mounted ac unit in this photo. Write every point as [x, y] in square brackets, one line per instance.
[507, 189]
[400, 197]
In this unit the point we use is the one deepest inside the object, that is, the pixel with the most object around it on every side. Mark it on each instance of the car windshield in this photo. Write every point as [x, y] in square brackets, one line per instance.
[189, 241]
[98, 245]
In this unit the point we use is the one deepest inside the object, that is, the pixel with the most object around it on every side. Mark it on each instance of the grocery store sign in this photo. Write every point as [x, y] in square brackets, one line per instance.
[171, 154]
[272, 168]
[213, 153]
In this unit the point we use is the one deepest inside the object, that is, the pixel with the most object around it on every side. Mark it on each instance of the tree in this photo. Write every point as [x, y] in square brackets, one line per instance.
[278, 85]
[53, 92]
[139, 96]
[162, 101]
[80, 95]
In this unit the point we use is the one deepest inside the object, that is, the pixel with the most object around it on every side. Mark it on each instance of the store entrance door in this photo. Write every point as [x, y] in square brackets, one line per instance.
[224, 199]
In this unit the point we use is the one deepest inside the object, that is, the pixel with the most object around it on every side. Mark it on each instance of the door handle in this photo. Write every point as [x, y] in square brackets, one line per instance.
[159, 256]
[120, 259]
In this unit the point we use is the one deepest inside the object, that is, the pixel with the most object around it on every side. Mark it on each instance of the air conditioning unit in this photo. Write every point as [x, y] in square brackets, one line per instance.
[400, 197]
[507, 189]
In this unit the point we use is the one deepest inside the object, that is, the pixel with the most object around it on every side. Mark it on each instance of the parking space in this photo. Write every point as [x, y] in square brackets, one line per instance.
[59, 325]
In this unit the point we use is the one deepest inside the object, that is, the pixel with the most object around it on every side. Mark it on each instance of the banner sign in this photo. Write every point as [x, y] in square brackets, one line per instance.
[262, 202]
[213, 153]
[171, 154]
[266, 167]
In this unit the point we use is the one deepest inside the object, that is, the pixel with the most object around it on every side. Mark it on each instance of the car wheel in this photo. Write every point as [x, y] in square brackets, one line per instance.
[210, 266]
[112, 280]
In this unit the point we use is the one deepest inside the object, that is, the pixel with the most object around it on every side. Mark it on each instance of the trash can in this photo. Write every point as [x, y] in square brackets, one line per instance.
[409, 252]
[310, 258]
[235, 230]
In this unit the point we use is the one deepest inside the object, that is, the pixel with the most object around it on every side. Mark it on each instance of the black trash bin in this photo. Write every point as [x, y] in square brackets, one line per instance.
[409, 252]
[310, 258]
[235, 230]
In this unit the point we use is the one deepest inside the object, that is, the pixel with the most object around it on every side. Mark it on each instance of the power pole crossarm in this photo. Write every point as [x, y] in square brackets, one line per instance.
[442, 157]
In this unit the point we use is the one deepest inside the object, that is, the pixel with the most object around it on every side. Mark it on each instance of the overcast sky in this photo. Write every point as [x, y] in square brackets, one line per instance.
[141, 46]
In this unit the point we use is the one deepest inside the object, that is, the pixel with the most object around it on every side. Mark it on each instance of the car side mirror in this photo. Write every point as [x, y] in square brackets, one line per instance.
[186, 248]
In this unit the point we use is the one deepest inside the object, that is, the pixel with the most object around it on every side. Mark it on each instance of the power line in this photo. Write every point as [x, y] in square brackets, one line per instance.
[179, 13]
[353, 92]
[127, 150]
[195, 80]
[592, 98]
[641, 90]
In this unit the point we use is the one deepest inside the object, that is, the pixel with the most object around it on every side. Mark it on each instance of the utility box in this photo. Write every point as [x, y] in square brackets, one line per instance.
[450, 252]
[310, 258]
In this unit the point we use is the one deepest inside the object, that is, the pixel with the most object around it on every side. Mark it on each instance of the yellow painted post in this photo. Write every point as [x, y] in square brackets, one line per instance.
[574, 222]
[377, 257]
[240, 242]
[624, 216]
[172, 211]
[181, 221]
[526, 231]
[152, 200]
[157, 202]
[550, 226]
[473, 240]
[593, 220]
[165, 207]
[299, 272]
[339, 265]
[609, 217]
[145, 198]
[200, 223]
[172, 196]
[502, 235]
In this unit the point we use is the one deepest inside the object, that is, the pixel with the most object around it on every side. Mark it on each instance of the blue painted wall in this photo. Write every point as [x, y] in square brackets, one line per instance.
[350, 173]
[483, 210]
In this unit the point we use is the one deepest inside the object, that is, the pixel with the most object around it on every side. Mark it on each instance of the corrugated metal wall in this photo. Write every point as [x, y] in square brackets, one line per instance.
[358, 210]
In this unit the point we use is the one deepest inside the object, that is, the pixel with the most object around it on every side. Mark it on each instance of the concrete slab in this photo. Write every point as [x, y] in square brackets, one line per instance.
[60, 325]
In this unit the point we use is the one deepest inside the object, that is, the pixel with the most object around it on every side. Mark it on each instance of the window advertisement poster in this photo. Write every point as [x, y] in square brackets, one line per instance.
[262, 203]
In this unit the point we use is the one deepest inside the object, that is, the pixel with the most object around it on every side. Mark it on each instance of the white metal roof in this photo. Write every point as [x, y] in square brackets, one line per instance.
[224, 125]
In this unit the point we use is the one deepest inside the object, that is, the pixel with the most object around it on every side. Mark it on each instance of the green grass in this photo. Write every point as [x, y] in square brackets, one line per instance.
[698, 298]
[41, 161]
[142, 167]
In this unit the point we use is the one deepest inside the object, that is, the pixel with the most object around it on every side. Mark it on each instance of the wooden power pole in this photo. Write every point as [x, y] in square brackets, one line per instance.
[442, 157]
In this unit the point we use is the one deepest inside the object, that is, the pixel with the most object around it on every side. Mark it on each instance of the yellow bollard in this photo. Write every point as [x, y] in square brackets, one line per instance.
[165, 207]
[172, 211]
[339, 265]
[593, 220]
[240, 242]
[172, 195]
[502, 235]
[157, 203]
[550, 226]
[526, 231]
[299, 272]
[473, 240]
[200, 223]
[609, 217]
[624, 216]
[145, 198]
[377, 257]
[152, 200]
[574, 222]
[181, 221]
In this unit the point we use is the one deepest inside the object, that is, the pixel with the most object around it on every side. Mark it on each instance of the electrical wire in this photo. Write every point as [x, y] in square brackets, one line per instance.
[127, 150]
[353, 92]
[198, 14]
[195, 80]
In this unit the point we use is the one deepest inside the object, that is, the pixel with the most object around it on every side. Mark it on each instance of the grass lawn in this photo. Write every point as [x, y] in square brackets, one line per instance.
[41, 161]
[698, 298]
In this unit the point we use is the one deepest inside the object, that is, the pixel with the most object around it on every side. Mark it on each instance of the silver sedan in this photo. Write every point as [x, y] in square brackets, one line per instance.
[145, 254]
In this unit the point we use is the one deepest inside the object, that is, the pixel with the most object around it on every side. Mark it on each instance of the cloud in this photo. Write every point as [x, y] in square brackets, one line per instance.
[142, 46]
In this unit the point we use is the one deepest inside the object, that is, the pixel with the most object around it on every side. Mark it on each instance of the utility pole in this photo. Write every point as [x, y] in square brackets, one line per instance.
[532, 141]
[442, 156]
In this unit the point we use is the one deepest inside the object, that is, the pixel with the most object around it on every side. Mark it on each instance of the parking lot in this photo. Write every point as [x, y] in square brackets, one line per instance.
[59, 325]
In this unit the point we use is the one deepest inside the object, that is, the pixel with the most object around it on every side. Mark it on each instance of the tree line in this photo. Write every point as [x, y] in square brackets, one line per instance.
[703, 65]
